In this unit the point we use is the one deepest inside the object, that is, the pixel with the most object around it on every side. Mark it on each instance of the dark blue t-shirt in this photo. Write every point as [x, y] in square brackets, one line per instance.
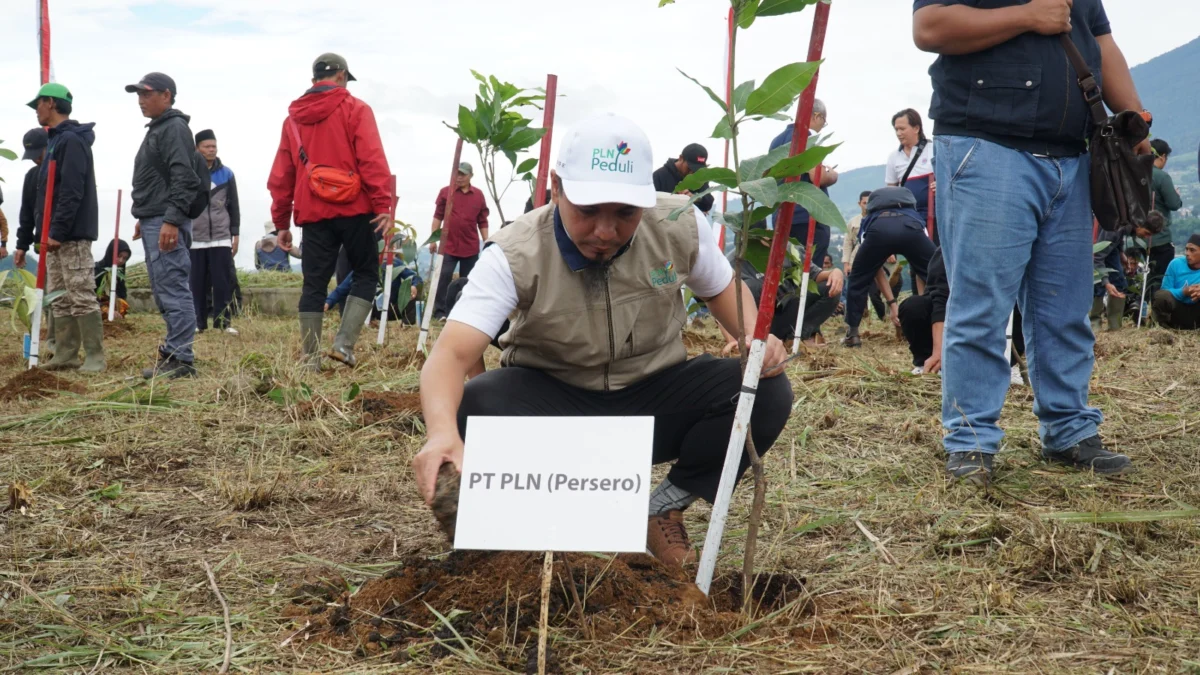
[1023, 93]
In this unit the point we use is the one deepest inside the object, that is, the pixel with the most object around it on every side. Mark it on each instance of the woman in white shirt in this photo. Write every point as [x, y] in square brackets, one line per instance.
[911, 165]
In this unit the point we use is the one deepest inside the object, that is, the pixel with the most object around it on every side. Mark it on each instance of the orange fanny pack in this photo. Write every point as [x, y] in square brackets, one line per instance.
[336, 186]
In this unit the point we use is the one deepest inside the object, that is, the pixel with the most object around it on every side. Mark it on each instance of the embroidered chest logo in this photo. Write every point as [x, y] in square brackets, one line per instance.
[662, 276]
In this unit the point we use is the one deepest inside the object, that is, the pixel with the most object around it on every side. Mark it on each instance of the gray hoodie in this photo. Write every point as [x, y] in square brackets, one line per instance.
[168, 144]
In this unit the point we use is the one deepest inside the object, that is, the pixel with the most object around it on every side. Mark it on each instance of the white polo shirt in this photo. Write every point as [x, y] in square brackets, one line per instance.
[899, 160]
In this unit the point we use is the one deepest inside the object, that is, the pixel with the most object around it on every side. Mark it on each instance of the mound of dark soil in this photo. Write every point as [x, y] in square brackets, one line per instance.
[36, 384]
[445, 500]
[401, 410]
[495, 597]
[118, 328]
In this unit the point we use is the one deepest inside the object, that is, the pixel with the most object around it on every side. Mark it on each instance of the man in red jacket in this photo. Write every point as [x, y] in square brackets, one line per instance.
[332, 135]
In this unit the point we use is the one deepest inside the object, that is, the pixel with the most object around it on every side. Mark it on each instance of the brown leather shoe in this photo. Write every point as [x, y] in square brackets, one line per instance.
[668, 541]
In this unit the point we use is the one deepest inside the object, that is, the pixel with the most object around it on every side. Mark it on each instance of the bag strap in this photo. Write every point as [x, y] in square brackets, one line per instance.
[1087, 81]
[299, 144]
[913, 163]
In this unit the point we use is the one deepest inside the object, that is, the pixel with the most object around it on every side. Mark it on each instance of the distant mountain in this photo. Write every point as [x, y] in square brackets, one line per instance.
[1168, 85]
[853, 183]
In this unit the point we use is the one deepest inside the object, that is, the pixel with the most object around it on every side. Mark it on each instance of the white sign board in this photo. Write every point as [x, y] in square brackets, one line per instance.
[555, 484]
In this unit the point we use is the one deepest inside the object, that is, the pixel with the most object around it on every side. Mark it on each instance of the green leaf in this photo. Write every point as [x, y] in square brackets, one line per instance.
[749, 10]
[757, 167]
[528, 165]
[664, 3]
[781, 88]
[711, 94]
[434, 237]
[713, 174]
[764, 191]
[481, 78]
[523, 139]
[801, 163]
[758, 250]
[814, 201]
[404, 297]
[779, 7]
[733, 220]
[409, 251]
[7, 154]
[741, 93]
[466, 125]
[351, 393]
[1100, 246]
[723, 130]
[760, 214]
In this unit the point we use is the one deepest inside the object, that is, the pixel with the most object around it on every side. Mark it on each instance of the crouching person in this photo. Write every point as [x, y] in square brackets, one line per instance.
[596, 327]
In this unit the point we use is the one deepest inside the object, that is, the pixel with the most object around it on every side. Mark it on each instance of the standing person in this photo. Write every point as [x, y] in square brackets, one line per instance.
[215, 240]
[828, 178]
[460, 241]
[1015, 213]
[28, 231]
[911, 165]
[167, 192]
[1177, 303]
[852, 231]
[74, 225]
[1166, 202]
[329, 130]
[892, 227]
[551, 271]
[693, 158]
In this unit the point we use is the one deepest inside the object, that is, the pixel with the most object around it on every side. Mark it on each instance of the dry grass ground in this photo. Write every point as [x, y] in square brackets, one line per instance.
[131, 491]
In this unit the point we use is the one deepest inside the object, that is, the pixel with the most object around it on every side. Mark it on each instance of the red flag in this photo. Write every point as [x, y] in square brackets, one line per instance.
[43, 37]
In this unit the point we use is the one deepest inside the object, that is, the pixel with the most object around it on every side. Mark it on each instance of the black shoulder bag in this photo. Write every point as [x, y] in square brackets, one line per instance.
[1120, 178]
[913, 163]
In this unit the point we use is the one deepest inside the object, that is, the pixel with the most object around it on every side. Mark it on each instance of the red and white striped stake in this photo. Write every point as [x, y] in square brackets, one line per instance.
[112, 275]
[728, 104]
[391, 262]
[931, 218]
[543, 174]
[436, 272]
[808, 254]
[35, 337]
[42, 12]
[766, 312]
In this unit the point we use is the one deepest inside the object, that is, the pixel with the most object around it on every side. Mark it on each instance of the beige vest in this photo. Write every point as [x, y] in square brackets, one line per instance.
[600, 328]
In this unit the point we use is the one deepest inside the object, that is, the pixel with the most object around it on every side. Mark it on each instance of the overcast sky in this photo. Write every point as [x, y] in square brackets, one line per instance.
[239, 63]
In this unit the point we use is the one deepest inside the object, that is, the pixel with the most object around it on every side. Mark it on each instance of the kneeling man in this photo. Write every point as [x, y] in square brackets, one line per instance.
[592, 283]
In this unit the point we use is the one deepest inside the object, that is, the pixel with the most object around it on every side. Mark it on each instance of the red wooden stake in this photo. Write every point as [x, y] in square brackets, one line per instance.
[117, 230]
[931, 218]
[391, 254]
[543, 174]
[41, 274]
[783, 223]
[728, 103]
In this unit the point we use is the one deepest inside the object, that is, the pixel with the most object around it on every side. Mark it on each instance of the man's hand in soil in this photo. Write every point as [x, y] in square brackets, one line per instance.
[52, 245]
[894, 311]
[284, 239]
[18, 258]
[1049, 17]
[168, 236]
[1112, 291]
[438, 450]
[382, 222]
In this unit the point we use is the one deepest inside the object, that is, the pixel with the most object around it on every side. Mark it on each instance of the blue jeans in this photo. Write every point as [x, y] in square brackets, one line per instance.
[170, 281]
[1015, 228]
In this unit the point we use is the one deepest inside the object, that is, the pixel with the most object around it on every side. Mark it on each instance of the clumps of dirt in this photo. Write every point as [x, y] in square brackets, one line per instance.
[1162, 337]
[118, 328]
[37, 384]
[445, 499]
[495, 597]
[400, 410]
[821, 359]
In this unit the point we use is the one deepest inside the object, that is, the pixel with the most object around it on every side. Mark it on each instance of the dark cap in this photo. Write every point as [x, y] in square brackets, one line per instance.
[696, 157]
[206, 135]
[154, 82]
[329, 63]
[1194, 240]
[35, 141]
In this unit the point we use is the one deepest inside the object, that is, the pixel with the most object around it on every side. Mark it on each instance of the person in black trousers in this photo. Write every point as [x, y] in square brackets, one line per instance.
[892, 227]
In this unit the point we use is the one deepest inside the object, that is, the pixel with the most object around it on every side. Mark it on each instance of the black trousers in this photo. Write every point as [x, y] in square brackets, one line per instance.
[212, 272]
[1160, 257]
[916, 321]
[322, 240]
[818, 310]
[692, 404]
[887, 237]
[449, 262]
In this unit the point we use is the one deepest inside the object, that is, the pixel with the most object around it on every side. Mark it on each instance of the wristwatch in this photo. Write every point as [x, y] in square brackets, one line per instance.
[1148, 117]
[891, 302]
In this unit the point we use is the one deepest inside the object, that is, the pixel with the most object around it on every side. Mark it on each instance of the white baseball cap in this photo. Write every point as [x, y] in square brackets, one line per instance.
[607, 159]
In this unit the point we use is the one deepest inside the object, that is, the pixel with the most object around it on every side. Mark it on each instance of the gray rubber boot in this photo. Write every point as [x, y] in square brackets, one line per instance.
[92, 329]
[1116, 310]
[47, 347]
[1096, 314]
[67, 338]
[353, 319]
[310, 338]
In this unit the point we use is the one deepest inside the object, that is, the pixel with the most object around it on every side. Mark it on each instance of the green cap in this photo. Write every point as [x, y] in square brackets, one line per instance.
[52, 90]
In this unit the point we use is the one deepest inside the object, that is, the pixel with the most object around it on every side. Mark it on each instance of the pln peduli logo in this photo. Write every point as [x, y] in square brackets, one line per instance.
[610, 159]
[662, 276]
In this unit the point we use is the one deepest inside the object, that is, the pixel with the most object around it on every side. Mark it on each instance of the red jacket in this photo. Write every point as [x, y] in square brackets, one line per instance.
[337, 130]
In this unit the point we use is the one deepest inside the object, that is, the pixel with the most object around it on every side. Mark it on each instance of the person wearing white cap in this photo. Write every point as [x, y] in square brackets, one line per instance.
[592, 283]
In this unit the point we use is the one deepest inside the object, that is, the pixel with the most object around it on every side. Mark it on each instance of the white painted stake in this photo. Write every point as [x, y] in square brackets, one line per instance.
[387, 301]
[35, 334]
[430, 301]
[733, 458]
[800, 314]
[1008, 333]
[1142, 304]
[112, 294]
